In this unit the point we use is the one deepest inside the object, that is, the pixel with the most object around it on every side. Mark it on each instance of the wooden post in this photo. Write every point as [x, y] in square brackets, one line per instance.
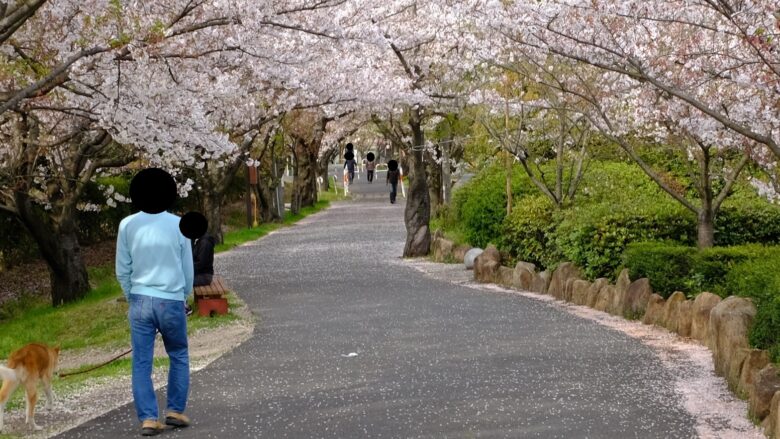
[507, 161]
[248, 197]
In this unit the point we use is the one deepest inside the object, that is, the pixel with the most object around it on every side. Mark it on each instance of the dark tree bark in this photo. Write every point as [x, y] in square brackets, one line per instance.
[59, 247]
[418, 205]
[212, 210]
[434, 175]
[323, 163]
[306, 179]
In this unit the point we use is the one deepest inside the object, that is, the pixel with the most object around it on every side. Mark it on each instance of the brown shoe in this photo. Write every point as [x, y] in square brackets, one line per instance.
[151, 428]
[177, 420]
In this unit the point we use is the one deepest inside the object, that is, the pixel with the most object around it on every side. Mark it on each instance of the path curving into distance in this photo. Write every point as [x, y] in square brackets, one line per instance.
[434, 359]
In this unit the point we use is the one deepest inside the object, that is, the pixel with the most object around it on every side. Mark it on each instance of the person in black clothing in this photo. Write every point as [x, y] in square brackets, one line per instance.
[393, 176]
[349, 162]
[194, 226]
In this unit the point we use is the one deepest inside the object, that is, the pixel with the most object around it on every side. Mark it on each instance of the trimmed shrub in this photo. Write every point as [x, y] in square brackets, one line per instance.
[595, 237]
[759, 279]
[747, 220]
[480, 205]
[668, 266]
[529, 232]
[672, 267]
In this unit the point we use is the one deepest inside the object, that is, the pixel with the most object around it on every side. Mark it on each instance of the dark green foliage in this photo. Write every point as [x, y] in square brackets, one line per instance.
[16, 245]
[668, 266]
[765, 332]
[98, 226]
[596, 237]
[759, 279]
[746, 221]
[529, 229]
[480, 205]
[672, 267]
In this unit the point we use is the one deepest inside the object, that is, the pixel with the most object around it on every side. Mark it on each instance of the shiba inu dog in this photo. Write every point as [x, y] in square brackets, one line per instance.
[27, 366]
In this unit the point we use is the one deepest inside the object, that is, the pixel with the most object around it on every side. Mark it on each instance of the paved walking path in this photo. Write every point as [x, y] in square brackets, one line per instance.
[434, 360]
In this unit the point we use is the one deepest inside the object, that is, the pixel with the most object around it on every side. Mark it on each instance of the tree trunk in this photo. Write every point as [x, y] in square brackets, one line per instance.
[295, 203]
[706, 214]
[59, 247]
[418, 206]
[508, 189]
[434, 183]
[212, 210]
[265, 201]
[70, 281]
[307, 177]
[446, 173]
[706, 228]
[323, 165]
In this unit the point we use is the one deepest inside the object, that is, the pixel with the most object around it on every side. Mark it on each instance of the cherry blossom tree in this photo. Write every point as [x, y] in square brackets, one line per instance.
[697, 74]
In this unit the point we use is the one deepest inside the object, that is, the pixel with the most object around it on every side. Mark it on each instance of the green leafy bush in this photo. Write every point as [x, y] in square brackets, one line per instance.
[759, 279]
[98, 226]
[672, 267]
[529, 231]
[480, 205]
[668, 266]
[747, 220]
[595, 237]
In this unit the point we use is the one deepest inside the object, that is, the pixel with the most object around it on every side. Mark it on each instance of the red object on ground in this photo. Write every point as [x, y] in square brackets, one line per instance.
[211, 306]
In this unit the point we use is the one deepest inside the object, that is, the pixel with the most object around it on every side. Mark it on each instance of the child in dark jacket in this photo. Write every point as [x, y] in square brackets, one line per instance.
[194, 225]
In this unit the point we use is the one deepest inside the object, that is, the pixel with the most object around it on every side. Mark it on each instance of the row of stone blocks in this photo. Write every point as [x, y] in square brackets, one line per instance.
[721, 325]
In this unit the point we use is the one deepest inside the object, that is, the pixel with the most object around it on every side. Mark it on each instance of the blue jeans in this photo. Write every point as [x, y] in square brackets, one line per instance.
[393, 191]
[147, 316]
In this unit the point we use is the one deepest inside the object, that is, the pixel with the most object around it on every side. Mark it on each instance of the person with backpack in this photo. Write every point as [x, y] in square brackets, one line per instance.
[393, 177]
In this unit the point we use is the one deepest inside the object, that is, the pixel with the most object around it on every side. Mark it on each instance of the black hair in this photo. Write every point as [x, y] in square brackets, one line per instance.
[153, 190]
[193, 225]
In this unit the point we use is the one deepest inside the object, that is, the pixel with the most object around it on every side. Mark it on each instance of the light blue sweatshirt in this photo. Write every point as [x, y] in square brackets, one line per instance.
[153, 258]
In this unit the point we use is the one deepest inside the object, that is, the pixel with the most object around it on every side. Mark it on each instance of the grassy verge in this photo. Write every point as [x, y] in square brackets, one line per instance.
[99, 320]
[237, 237]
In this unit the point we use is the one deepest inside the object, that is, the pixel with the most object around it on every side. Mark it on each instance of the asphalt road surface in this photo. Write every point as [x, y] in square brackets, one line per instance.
[352, 342]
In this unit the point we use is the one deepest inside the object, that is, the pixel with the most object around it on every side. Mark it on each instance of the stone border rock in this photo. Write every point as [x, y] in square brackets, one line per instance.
[721, 325]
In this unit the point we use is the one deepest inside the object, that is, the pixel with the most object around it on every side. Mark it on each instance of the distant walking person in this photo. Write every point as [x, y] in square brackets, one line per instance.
[370, 166]
[393, 176]
[349, 162]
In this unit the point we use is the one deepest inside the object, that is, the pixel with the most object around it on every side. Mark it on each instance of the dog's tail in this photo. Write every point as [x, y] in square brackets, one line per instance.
[8, 374]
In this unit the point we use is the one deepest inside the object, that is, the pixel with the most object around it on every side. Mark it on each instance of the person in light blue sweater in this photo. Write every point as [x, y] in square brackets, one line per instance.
[154, 266]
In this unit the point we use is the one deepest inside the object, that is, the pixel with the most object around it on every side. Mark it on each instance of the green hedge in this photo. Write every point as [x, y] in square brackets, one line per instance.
[480, 205]
[672, 267]
[595, 237]
[528, 233]
[759, 279]
[668, 266]
[617, 205]
[747, 271]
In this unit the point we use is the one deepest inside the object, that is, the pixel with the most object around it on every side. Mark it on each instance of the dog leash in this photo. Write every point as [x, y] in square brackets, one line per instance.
[65, 375]
[105, 363]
